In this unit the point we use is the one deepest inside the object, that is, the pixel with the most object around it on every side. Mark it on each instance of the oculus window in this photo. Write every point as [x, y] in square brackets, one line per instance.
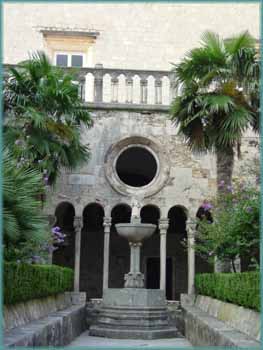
[136, 166]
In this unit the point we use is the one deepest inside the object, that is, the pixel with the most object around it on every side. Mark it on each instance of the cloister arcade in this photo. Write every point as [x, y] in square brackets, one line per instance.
[100, 257]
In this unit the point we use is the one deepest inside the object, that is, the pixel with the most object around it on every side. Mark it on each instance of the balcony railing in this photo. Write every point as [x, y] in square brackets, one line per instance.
[124, 88]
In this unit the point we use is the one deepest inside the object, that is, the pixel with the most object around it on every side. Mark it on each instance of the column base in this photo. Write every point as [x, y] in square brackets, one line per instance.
[134, 280]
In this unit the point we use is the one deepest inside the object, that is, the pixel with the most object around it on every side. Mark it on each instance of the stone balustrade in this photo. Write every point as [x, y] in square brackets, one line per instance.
[101, 87]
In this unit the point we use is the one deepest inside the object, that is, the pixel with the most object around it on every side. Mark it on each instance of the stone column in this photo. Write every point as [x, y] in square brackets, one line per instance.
[98, 83]
[163, 226]
[191, 254]
[82, 87]
[144, 92]
[77, 227]
[158, 91]
[106, 257]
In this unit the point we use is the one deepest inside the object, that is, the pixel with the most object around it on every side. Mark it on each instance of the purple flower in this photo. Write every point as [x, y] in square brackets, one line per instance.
[46, 180]
[207, 206]
[51, 249]
[229, 188]
[18, 142]
[249, 209]
[56, 229]
[221, 183]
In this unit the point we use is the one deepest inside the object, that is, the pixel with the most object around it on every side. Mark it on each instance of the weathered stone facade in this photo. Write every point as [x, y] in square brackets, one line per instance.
[130, 109]
[188, 178]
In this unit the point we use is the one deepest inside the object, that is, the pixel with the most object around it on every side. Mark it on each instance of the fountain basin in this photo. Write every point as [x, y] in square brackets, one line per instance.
[135, 232]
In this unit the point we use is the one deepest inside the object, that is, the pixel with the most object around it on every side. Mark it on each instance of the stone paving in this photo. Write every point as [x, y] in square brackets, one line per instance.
[103, 343]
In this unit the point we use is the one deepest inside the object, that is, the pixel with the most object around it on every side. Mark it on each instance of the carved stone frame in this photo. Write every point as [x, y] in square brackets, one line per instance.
[163, 166]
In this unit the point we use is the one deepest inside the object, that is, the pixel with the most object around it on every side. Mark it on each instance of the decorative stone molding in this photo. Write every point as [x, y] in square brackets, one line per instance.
[106, 224]
[163, 225]
[162, 160]
[134, 280]
[77, 223]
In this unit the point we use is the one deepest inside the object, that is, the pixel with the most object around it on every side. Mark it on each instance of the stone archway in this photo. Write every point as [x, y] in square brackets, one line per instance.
[91, 257]
[151, 248]
[119, 248]
[64, 254]
[176, 248]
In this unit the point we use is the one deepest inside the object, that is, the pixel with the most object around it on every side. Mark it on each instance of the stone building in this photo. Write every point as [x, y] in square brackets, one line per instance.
[124, 54]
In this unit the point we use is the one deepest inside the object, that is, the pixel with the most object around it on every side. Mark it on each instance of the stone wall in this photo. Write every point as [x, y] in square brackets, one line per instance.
[22, 313]
[189, 177]
[210, 322]
[136, 36]
[51, 321]
[245, 320]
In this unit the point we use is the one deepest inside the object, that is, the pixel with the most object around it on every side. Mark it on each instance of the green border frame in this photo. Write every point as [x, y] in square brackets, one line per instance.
[261, 176]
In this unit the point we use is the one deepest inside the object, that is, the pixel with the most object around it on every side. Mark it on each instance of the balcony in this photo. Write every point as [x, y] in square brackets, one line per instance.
[123, 89]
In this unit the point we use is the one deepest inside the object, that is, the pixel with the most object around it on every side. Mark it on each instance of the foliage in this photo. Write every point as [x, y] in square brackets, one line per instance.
[25, 230]
[219, 94]
[238, 288]
[24, 282]
[43, 117]
[235, 228]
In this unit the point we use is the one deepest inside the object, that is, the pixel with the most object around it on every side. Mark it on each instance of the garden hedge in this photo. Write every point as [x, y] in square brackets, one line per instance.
[237, 288]
[24, 282]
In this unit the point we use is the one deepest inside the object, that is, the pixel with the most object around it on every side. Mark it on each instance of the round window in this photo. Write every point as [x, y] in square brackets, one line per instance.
[136, 166]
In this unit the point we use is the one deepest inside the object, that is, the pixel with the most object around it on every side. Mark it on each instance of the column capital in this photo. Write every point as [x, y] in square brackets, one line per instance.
[77, 222]
[163, 225]
[106, 221]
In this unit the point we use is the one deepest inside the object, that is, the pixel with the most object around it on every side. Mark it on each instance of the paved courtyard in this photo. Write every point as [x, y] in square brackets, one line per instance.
[103, 343]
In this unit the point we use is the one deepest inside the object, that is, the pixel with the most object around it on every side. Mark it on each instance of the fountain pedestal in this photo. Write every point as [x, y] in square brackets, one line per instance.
[134, 279]
[134, 312]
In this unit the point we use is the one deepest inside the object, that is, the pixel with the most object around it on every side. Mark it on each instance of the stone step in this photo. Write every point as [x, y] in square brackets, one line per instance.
[133, 316]
[135, 327]
[130, 313]
[134, 309]
[120, 333]
[132, 323]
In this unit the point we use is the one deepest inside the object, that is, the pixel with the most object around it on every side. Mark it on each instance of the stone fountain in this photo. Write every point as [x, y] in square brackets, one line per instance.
[134, 312]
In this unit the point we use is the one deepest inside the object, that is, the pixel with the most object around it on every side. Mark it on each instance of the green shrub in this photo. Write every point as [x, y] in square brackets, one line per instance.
[237, 288]
[24, 282]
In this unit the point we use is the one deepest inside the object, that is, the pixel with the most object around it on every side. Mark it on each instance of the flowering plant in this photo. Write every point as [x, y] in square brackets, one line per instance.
[235, 228]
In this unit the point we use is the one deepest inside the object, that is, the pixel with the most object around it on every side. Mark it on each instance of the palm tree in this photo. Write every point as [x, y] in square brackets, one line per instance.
[43, 117]
[24, 227]
[219, 97]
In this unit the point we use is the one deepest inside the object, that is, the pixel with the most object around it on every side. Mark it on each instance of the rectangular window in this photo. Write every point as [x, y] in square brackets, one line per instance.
[61, 60]
[69, 59]
[77, 61]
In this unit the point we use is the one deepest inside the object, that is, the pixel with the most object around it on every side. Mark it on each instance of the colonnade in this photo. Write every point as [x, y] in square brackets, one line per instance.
[163, 227]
